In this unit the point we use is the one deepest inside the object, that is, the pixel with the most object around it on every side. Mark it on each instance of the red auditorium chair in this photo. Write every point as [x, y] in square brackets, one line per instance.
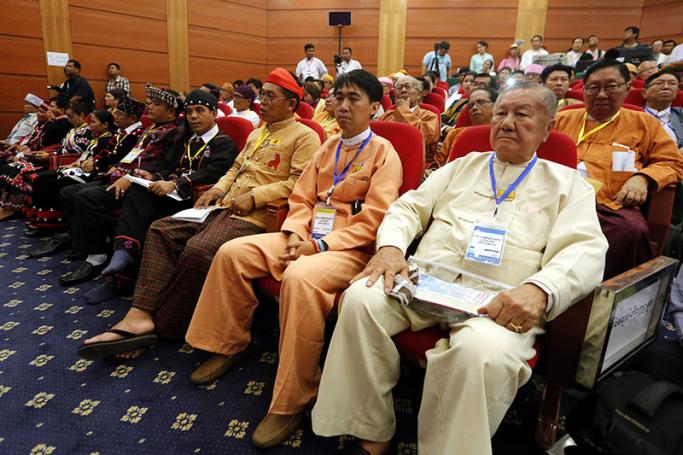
[440, 91]
[227, 110]
[386, 102]
[305, 110]
[237, 128]
[678, 102]
[315, 126]
[633, 107]
[572, 106]
[256, 107]
[635, 96]
[638, 83]
[443, 85]
[409, 144]
[577, 85]
[435, 100]
[575, 94]
[146, 120]
[464, 118]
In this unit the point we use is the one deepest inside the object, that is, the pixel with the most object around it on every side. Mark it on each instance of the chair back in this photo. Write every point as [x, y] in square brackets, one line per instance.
[305, 110]
[443, 85]
[558, 148]
[575, 94]
[236, 128]
[256, 107]
[440, 91]
[386, 102]
[678, 102]
[409, 144]
[638, 83]
[435, 100]
[315, 126]
[635, 96]
[227, 110]
[464, 118]
[573, 106]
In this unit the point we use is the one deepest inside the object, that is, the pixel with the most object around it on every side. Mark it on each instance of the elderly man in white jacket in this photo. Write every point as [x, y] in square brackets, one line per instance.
[550, 249]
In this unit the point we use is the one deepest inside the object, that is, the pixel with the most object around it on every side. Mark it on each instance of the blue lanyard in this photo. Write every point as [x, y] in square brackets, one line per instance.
[512, 186]
[339, 177]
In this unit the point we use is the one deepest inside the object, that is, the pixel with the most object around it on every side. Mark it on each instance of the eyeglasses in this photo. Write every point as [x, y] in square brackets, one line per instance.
[663, 83]
[480, 103]
[269, 98]
[610, 89]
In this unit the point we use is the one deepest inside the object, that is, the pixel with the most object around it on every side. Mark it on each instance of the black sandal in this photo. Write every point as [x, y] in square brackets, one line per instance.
[107, 349]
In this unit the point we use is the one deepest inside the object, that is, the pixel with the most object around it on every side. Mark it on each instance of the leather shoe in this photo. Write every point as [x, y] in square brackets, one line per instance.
[51, 247]
[85, 272]
[275, 428]
[215, 367]
[31, 233]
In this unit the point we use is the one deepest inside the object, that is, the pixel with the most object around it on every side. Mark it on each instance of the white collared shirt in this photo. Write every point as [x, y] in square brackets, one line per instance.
[357, 139]
[311, 68]
[663, 117]
[206, 137]
[247, 114]
[345, 67]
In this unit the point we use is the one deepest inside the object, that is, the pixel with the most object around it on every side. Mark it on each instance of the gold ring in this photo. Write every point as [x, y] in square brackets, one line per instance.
[516, 328]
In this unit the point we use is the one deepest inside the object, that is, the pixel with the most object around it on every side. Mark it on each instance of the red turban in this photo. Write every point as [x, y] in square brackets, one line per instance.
[282, 78]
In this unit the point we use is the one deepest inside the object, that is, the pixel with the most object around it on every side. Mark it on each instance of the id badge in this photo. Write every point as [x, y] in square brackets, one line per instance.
[486, 244]
[130, 157]
[323, 220]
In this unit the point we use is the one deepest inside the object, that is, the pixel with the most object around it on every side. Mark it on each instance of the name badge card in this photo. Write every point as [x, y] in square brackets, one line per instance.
[323, 220]
[486, 245]
[130, 157]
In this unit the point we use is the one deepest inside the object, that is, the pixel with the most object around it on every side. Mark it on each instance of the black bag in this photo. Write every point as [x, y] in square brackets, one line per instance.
[632, 413]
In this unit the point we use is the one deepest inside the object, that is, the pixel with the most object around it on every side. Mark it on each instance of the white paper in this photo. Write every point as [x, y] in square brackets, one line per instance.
[143, 182]
[57, 58]
[452, 295]
[194, 215]
[624, 161]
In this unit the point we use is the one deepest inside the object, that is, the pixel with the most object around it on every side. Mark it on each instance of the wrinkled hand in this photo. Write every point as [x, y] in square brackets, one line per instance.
[87, 166]
[119, 187]
[388, 262]
[633, 192]
[402, 102]
[242, 205]
[208, 198]
[520, 307]
[295, 247]
[162, 187]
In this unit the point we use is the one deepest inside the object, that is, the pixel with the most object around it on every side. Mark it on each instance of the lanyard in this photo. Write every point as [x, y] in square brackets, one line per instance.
[259, 141]
[339, 177]
[583, 136]
[512, 186]
[191, 158]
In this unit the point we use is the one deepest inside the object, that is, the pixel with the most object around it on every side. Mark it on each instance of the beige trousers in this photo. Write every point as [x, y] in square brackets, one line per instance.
[222, 320]
[470, 382]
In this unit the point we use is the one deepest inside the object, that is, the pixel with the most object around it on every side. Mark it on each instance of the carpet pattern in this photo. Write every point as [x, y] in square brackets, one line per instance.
[55, 402]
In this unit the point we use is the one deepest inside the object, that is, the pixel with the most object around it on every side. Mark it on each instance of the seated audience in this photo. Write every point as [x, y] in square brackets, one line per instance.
[557, 78]
[512, 60]
[35, 137]
[350, 183]
[574, 53]
[208, 87]
[387, 86]
[660, 91]
[647, 69]
[116, 80]
[407, 110]
[312, 93]
[593, 50]
[26, 123]
[456, 102]
[86, 206]
[487, 68]
[327, 81]
[113, 97]
[472, 377]
[656, 46]
[177, 254]
[68, 125]
[199, 157]
[256, 86]
[91, 165]
[127, 120]
[484, 80]
[457, 87]
[627, 154]
[533, 72]
[632, 71]
[503, 76]
[480, 106]
[326, 118]
[243, 97]
[227, 92]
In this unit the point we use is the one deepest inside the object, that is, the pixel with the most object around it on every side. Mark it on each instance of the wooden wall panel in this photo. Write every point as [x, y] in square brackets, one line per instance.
[663, 19]
[23, 62]
[293, 23]
[153, 9]
[227, 41]
[462, 23]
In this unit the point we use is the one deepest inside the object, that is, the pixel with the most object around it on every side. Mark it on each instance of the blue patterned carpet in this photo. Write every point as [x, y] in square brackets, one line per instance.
[54, 402]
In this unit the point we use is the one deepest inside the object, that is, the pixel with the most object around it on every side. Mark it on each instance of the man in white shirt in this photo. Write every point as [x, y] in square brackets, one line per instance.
[438, 60]
[310, 66]
[535, 51]
[478, 59]
[244, 95]
[676, 54]
[27, 122]
[347, 63]
[667, 49]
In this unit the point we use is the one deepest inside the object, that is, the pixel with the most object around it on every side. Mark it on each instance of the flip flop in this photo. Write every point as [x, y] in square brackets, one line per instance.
[107, 349]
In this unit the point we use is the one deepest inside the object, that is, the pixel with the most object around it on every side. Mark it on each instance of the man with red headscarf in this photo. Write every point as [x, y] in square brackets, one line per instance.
[177, 254]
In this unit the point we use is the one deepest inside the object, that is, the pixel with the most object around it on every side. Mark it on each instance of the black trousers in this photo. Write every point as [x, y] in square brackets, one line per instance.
[89, 208]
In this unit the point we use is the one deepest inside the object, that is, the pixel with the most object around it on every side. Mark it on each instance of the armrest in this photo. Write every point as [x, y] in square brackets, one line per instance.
[659, 212]
[276, 212]
[62, 160]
